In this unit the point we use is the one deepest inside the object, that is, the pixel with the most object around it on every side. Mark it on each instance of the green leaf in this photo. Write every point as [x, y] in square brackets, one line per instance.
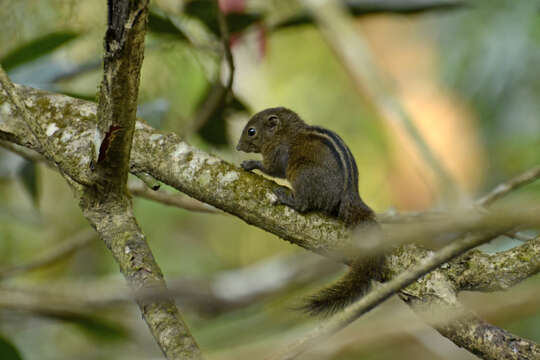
[162, 24]
[36, 48]
[28, 176]
[8, 351]
[206, 12]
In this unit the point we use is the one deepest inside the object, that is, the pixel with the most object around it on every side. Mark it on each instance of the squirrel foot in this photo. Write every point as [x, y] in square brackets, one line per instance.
[249, 165]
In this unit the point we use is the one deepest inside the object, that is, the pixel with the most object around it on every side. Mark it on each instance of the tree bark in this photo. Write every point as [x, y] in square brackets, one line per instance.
[248, 196]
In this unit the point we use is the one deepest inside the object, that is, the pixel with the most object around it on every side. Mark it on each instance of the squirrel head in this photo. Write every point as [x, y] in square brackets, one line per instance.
[267, 126]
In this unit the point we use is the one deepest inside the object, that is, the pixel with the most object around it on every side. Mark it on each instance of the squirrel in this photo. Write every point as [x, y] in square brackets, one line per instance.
[324, 177]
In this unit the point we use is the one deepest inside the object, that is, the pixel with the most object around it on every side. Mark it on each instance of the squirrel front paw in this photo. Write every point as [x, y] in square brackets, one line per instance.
[283, 196]
[249, 165]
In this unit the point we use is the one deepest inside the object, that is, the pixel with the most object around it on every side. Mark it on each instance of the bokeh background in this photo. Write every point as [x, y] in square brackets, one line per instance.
[468, 77]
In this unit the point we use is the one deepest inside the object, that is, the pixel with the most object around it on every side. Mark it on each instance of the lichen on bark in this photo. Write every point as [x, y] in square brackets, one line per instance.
[248, 196]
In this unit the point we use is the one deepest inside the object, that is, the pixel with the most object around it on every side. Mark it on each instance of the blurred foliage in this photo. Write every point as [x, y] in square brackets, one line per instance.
[206, 12]
[36, 48]
[160, 23]
[29, 179]
[8, 351]
[487, 55]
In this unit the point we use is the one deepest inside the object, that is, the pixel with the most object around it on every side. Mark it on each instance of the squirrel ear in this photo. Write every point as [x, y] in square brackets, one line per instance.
[272, 122]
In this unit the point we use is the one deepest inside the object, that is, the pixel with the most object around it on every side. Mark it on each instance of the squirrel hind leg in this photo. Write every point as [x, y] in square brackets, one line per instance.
[314, 192]
[354, 211]
[286, 197]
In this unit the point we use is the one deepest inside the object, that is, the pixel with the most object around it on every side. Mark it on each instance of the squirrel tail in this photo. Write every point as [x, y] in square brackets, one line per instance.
[346, 290]
[357, 281]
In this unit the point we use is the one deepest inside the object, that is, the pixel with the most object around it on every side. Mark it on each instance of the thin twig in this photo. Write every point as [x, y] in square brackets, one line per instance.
[24, 152]
[487, 200]
[509, 186]
[386, 290]
[219, 95]
[424, 223]
[447, 253]
[53, 255]
[249, 284]
[244, 195]
[226, 41]
[225, 291]
[381, 330]
[148, 180]
[180, 201]
[69, 308]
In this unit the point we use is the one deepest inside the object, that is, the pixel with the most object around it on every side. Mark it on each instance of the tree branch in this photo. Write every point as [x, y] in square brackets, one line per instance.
[49, 305]
[218, 95]
[509, 186]
[226, 42]
[222, 185]
[495, 272]
[225, 291]
[38, 138]
[107, 204]
[176, 200]
[383, 292]
[485, 340]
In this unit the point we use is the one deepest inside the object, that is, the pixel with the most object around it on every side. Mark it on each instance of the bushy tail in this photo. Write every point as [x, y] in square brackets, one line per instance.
[346, 290]
[357, 281]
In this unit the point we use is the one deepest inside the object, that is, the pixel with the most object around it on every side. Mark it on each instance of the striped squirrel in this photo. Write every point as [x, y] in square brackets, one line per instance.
[324, 177]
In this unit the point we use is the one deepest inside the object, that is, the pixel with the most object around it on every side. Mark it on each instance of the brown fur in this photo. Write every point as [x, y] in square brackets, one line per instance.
[324, 177]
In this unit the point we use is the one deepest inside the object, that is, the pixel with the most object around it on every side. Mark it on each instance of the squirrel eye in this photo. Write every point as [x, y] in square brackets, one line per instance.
[251, 131]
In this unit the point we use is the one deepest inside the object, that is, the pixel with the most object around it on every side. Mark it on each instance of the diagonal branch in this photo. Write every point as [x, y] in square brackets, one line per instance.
[180, 201]
[385, 291]
[468, 331]
[509, 186]
[218, 95]
[39, 136]
[99, 173]
[226, 42]
[226, 187]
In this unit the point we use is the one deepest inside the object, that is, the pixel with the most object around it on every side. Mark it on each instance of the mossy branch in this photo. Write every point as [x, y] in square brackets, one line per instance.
[106, 204]
[248, 196]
